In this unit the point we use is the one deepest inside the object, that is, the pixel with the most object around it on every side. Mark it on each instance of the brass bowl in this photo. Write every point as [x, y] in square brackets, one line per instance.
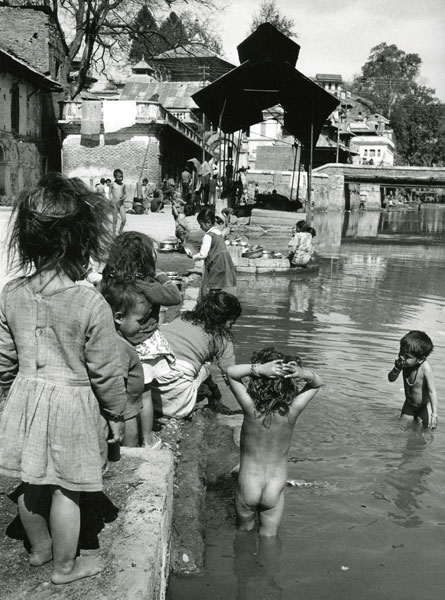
[167, 246]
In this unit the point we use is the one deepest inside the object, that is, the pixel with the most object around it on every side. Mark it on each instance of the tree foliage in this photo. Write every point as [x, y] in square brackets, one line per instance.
[387, 76]
[269, 13]
[418, 123]
[389, 80]
[97, 31]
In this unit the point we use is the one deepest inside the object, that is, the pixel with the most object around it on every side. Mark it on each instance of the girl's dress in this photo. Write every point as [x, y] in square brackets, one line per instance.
[174, 394]
[300, 248]
[219, 271]
[58, 355]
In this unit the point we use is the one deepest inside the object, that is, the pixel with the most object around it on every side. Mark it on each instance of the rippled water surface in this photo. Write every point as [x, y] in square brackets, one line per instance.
[372, 524]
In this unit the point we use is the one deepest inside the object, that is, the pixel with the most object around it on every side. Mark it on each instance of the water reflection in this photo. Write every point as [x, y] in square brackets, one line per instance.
[256, 565]
[409, 479]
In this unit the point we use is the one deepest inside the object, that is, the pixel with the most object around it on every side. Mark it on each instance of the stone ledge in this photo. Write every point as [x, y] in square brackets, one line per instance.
[141, 551]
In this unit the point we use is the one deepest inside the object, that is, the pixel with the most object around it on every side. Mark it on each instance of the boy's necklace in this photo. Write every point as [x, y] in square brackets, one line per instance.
[415, 379]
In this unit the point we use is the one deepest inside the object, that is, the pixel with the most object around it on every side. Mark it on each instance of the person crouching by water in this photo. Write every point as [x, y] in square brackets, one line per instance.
[271, 403]
[219, 270]
[196, 338]
[300, 249]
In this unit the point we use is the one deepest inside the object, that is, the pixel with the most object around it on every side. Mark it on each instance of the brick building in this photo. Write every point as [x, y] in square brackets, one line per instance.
[33, 77]
[29, 143]
[156, 143]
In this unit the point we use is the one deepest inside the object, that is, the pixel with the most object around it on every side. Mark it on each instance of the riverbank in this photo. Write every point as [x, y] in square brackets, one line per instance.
[129, 524]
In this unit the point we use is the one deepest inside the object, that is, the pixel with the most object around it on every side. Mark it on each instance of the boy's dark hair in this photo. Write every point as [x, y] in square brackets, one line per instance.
[189, 210]
[59, 225]
[302, 225]
[206, 214]
[212, 311]
[417, 343]
[102, 180]
[272, 395]
[132, 256]
[122, 297]
[116, 172]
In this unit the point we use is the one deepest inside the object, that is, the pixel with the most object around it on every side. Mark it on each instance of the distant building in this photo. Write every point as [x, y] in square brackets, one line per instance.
[32, 81]
[154, 141]
[192, 62]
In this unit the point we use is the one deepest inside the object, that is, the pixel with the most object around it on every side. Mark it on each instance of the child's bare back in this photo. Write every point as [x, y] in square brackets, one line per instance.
[265, 440]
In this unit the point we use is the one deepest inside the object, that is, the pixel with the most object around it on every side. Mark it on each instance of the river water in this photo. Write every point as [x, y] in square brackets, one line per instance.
[371, 523]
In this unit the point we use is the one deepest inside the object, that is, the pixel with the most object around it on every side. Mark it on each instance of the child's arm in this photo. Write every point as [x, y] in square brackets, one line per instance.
[160, 291]
[313, 384]
[8, 352]
[103, 363]
[395, 371]
[313, 380]
[205, 248]
[124, 193]
[429, 376]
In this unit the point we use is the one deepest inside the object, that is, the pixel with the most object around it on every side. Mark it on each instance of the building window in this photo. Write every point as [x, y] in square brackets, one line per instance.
[15, 109]
[379, 152]
[372, 153]
[365, 152]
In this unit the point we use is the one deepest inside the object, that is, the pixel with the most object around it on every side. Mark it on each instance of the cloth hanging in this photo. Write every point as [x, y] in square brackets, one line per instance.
[90, 124]
[119, 114]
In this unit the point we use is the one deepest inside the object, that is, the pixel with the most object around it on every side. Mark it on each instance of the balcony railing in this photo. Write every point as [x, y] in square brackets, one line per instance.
[146, 113]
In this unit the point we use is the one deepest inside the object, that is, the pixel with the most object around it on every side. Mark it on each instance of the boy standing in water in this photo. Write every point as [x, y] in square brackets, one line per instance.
[271, 404]
[418, 379]
[118, 195]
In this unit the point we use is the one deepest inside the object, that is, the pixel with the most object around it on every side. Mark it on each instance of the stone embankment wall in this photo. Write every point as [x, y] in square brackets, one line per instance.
[138, 157]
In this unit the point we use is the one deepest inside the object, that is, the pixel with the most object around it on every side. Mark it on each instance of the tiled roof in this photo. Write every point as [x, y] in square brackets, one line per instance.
[10, 60]
[171, 94]
[328, 77]
[190, 51]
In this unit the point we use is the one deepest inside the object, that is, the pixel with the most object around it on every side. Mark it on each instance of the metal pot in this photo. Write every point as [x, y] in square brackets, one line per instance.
[167, 246]
[267, 254]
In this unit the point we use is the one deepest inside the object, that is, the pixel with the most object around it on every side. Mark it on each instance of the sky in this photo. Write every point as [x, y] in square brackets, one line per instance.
[336, 36]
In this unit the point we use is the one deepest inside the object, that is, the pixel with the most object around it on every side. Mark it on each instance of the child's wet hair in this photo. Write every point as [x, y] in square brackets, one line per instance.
[124, 296]
[132, 256]
[59, 225]
[272, 395]
[213, 310]
[417, 343]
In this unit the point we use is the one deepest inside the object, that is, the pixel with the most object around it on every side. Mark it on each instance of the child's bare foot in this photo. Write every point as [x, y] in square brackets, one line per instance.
[39, 557]
[84, 566]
